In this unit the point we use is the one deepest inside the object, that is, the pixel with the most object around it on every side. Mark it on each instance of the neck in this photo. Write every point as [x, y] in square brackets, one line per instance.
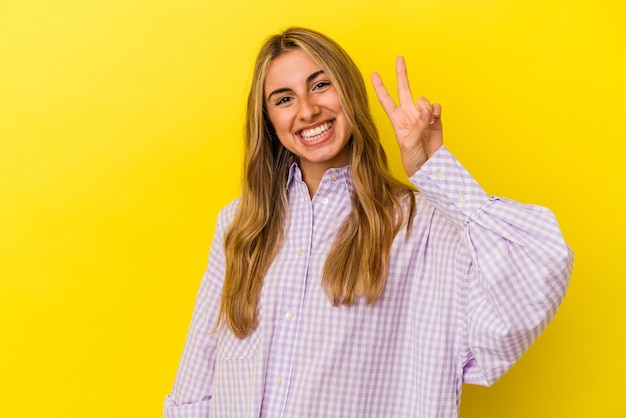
[312, 172]
[312, 177]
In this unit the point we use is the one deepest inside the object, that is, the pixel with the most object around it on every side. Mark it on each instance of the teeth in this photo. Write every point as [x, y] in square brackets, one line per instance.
[313, 134]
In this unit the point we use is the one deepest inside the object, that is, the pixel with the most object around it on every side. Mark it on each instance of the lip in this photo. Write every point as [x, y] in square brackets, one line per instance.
[319, 140]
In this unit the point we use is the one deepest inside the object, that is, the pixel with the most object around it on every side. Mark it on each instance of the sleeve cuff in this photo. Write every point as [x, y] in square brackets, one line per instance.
[445, 183]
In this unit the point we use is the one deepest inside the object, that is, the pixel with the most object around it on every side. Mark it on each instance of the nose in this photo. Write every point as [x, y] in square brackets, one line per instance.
[309, 109]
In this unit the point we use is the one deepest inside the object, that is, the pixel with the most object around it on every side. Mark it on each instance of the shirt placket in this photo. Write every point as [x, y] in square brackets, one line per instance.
[290, 303]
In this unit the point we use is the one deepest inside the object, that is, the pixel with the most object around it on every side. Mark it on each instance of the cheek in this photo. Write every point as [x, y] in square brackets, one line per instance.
[281, 128]
[280, 121]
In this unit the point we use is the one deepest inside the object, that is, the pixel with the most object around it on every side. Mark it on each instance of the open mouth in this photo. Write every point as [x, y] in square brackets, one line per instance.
[310, 135]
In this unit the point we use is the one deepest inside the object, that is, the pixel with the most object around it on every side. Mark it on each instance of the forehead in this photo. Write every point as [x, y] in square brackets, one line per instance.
[289, 70]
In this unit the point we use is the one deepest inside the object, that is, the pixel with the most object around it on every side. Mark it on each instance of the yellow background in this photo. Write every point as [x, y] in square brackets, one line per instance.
[120, 127]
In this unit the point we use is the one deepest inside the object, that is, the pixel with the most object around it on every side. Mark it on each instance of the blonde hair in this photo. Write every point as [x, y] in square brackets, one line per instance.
[357, 262]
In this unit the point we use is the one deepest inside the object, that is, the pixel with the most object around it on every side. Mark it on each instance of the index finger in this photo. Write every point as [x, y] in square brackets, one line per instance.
[387, 102]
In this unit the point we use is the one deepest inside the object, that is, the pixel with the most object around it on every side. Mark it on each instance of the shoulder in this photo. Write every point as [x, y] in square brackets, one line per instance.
[230, 208]
[227, 214]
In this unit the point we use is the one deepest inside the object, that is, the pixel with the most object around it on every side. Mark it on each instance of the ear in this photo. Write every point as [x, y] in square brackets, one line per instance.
[270, 132]
[269, 128]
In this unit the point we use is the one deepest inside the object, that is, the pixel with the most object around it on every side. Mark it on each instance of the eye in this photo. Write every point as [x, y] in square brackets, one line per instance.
[283, 100]
[321, 85]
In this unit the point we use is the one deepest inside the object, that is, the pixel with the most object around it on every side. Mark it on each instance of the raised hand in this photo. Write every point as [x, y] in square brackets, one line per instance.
[417, 125]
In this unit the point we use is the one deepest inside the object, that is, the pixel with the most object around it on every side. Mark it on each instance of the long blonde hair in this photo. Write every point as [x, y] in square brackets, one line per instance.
[381, 205]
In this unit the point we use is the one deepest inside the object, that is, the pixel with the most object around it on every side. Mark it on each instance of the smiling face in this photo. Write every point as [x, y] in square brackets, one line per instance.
[306, 113]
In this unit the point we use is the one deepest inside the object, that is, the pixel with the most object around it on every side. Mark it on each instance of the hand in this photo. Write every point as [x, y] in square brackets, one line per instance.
[417, 125]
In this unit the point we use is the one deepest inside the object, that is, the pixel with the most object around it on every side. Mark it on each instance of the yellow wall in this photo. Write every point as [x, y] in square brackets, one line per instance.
[120, 127]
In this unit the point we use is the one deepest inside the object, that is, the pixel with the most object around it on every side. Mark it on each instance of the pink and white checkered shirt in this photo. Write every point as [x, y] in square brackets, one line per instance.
[474, 285]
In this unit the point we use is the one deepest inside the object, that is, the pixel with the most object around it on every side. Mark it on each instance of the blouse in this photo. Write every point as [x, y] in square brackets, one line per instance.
[468, 289]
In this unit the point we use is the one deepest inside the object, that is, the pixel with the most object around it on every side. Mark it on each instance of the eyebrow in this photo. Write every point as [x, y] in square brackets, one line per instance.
[286, 89]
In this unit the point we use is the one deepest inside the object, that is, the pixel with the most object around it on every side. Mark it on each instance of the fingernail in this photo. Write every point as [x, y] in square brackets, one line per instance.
[425, 115]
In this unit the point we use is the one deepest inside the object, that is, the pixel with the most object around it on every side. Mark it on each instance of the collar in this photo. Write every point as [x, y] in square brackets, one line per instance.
[343, 174]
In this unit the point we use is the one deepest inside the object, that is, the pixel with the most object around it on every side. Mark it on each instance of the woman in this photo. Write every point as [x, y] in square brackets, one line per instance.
[335, 290]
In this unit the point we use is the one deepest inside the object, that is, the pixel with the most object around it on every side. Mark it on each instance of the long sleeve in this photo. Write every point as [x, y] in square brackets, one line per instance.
[191, 394]
[513, 267]
[468, 290]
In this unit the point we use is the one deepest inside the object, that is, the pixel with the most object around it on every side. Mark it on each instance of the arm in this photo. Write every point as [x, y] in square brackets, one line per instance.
[512, 267]
[191, 394]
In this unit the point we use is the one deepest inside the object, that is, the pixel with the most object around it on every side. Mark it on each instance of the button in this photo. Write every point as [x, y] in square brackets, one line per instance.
[462, 200]
[279, 381]
[325, 201]
[299, 253]
[288, 316]
[438, 174]
[333, 176]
